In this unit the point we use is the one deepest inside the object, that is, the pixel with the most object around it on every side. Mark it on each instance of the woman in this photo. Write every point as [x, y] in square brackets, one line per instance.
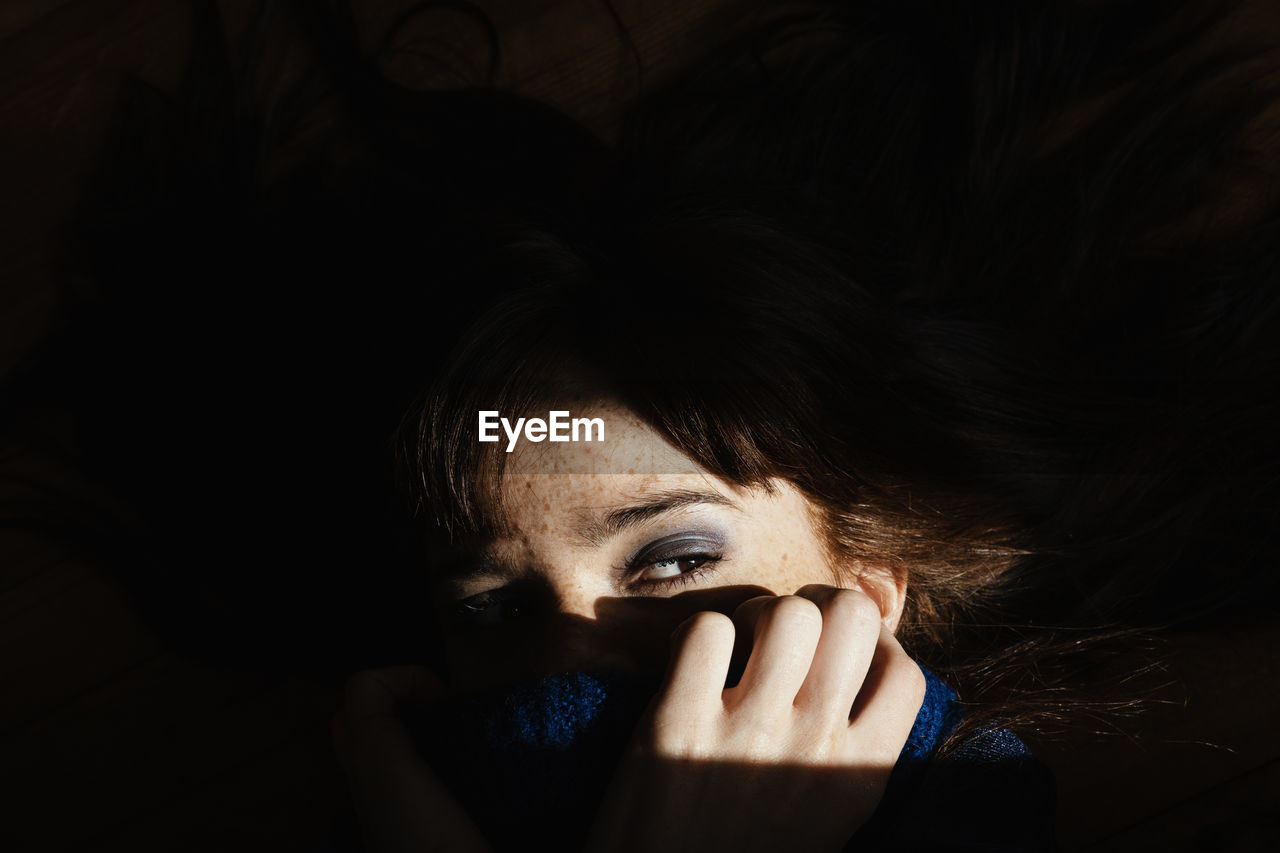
[735, 512]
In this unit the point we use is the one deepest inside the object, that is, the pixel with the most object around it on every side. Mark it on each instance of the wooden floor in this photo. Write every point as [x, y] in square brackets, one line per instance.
[111, 740]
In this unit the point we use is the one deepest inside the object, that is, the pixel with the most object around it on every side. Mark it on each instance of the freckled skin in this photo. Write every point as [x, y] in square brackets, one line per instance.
[582, 608]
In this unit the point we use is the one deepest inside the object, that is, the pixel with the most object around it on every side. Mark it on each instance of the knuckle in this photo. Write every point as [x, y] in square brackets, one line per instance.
[756, 737]
[916, 681]
[817, 592]
[751, 605]
[793, 611]
[759, 743]
[706, 626]
[821, 746]
[853, 605]
[906, 673]
[362, 690]
[672, 734]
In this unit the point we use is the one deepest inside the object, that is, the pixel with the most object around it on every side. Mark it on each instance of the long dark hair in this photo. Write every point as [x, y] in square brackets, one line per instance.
[993, 283]
[981, 283]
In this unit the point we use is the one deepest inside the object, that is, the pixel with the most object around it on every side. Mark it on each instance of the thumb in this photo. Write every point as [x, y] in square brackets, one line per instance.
[402, 804]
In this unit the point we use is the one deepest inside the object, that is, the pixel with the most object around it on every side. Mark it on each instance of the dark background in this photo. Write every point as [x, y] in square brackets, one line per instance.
[112, 736]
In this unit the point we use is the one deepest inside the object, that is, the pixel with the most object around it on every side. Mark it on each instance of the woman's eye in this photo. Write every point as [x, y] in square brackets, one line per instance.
[486, 609]
[674, 566]
[678, 559]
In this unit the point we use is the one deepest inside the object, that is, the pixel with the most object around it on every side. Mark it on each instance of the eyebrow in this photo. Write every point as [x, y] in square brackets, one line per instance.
[596, 532]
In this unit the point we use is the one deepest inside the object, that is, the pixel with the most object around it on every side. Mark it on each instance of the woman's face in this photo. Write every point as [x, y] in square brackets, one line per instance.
[612, 544]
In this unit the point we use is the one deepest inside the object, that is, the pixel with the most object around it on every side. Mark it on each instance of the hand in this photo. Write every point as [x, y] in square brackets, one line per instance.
[795, 757]
[401, 803]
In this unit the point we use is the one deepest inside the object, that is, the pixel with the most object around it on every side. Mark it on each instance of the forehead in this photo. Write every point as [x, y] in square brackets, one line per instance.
[546, 482]
[629, 447]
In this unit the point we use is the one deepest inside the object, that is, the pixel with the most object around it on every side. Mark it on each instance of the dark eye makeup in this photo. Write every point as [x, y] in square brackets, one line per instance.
[663, 564]
[675, 560]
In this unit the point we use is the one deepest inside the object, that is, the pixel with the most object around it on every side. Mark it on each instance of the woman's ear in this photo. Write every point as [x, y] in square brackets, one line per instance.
[888, 589]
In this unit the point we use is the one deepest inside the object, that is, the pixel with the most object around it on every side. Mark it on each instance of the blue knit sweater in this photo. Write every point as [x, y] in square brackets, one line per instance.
[531, 764]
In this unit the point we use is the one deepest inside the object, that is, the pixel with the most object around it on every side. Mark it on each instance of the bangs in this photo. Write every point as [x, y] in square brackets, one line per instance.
[702, 335]
[516, 361]
[513, 360]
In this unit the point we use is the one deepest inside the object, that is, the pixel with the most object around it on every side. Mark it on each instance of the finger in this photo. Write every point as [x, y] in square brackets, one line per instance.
[402, 804]
[850, 632]
[889, 701]
[784, 632]
[391, 690]
[702, 647]
[370, 729]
